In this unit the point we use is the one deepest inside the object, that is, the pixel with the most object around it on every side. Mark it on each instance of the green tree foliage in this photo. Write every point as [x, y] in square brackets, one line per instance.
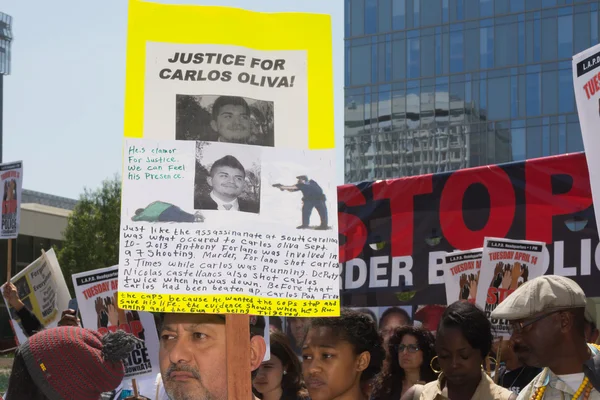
[92, 233]
[192, 120]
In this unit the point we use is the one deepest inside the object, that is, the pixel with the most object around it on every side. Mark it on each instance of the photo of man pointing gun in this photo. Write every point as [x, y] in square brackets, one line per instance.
[312, 197]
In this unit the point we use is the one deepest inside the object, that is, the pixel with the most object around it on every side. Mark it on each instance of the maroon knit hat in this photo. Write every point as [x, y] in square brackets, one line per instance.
[72, 363]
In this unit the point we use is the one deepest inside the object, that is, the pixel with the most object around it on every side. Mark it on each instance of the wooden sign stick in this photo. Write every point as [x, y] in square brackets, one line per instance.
[237, 335]
[9, 261]
[498, 355]
[135, 388]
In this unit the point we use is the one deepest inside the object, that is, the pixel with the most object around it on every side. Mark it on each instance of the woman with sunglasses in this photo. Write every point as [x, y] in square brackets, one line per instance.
[410, 350]
[463, 342]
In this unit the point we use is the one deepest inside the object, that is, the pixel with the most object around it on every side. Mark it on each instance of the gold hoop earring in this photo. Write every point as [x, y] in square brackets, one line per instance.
[431, 366]
[488, 359]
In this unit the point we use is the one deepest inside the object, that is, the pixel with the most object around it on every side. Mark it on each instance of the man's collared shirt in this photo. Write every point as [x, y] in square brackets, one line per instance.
[556, 389]
[221, 205]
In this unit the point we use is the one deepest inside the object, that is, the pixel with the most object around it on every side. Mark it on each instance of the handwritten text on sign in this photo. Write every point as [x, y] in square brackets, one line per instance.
[175, 257]
[204, 261]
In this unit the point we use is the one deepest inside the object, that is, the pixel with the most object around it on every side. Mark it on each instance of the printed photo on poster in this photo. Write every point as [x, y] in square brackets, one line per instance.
[295, 188]
[97, 296]
[11, 176]
[41, 287]
[226, 119]
[228, 177]
[393, 317]
[226, 93]
[371, 312]
[461, 275]
[506, 264]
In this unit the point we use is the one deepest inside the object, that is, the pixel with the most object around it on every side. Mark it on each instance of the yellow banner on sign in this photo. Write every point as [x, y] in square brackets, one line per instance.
[231, 26]
[225, 109]
[228, 304]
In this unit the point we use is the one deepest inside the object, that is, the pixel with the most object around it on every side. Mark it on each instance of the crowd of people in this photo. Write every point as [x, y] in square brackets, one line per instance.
[550, 355]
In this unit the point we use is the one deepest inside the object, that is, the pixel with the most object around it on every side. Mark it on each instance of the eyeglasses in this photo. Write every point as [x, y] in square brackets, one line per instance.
[518, 327]
[412, 348]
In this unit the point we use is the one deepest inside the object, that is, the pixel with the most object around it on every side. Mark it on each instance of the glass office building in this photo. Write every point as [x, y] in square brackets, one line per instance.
[438, 85]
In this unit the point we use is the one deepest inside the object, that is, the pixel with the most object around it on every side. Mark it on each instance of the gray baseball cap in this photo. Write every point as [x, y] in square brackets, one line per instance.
[544, 294]
[590, 312]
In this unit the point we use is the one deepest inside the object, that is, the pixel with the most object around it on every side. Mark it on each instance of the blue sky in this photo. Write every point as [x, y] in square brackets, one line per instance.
[63, 102]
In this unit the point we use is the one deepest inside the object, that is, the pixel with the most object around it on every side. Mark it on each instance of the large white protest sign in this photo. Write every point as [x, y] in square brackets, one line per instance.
[586, 79]
[42, 288]
[11, 179]
[96, 293]
[177, 239]
[461, 275]
[229, 202]
[506, 264]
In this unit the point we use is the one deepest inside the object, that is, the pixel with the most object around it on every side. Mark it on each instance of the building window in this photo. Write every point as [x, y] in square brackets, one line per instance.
[565, 36]
[534, 139]
[471, 9]
[574, 138]
[534, 100]
[358, 17]
[428, 48]
[360, 65]
[413, 58]
[472, 49]
[532, 4]
[549, 39]
[550, 92]
[399, 59]
[347, 10]
[499, 98]
[505, 44]
[486, 41]
[370, 17]
[581, 35]
[501, 7]
[398, 15]
[384, 16]
[545, 140]
[517, 6]
[432, 12]
[456, 51]
[566, 93]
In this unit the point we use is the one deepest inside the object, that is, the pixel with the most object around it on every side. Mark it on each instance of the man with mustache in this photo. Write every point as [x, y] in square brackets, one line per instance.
[547, 317]
[227, 178]
[193, 355]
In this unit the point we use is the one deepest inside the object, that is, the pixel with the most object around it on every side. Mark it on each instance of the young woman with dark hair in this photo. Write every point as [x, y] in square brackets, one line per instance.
[410, 352]
[463, 341]
[280, 378]
[340, 356]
